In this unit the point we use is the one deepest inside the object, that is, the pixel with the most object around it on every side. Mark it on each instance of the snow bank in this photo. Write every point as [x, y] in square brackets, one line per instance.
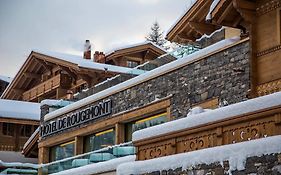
[19, 109]
[12, 159]
[6, 79]
[143, 77]
[75, 59]
[100, 167]
[236, 154]
[212, 7]
[210, 116]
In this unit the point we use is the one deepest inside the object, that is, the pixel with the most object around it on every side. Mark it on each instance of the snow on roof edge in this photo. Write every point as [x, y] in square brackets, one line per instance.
[133, 45]
[226, 112]
[236, 154]
[192, 2]
[143, 77]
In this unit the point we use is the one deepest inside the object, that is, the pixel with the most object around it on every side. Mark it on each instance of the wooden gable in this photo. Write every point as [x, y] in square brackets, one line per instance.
[193, 24]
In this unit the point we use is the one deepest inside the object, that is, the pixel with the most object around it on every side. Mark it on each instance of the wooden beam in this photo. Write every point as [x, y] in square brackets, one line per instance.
[202, 28]
[31, 75]
[87, 78]
[42, 63]
[18, 91]
[246, 9]
[225, 13]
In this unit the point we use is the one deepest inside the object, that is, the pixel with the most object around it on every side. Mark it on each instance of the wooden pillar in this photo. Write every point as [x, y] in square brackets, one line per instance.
[78, 145]
[17, 134]
[43, 157]
[119, 133]
[253, 59]
[60, 93]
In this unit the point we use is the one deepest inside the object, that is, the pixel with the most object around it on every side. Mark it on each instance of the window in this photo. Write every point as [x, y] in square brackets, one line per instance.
[132, 64]
[144, 123]
[62, 151]
[8, 129]
[99, 140]
[25, 130]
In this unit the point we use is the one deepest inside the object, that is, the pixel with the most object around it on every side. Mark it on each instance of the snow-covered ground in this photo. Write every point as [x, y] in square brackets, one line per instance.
[210, 116]
[100, 167]
[236, 154]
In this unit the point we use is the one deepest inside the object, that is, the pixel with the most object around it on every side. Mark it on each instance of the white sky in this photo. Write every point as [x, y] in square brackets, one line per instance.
[64, 25]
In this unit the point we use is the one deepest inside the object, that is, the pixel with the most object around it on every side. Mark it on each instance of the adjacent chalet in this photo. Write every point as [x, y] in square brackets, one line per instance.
[18, 120]
[4, 82]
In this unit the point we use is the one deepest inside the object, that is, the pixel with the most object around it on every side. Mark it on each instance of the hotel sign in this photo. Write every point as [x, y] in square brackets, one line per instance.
[76, 118]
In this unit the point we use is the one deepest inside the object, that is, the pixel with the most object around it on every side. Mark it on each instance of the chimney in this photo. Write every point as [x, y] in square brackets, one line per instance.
[87, 50]
[99, 57]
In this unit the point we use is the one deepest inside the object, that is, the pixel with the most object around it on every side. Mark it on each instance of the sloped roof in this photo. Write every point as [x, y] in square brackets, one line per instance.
[19, 110]
[5, 78]
[38, 61]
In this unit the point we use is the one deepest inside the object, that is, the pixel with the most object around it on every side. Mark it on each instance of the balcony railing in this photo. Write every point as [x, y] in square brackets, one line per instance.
[58, 81]
[101, 155]
[245, 127]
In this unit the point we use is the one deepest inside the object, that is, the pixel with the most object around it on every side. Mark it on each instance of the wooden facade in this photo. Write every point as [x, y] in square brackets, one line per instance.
[15, 132]
[254, 125]
[260, 20]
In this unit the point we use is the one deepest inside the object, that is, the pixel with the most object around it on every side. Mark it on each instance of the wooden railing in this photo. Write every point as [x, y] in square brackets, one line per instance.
[60, 80]
[241, 128]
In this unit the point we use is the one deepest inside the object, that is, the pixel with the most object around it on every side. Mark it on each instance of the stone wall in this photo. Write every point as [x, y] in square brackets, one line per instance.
[265, 165]
[224, 75]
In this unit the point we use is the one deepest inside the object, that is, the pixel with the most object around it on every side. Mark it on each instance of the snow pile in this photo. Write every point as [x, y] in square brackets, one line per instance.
[6, 79]
[51, 102]
[81, 62]
[210, 116]
[197, 110]
[212, 7]
[13, 159]
[236, 154]
[19, 109]
[100, 167]
[144, 77]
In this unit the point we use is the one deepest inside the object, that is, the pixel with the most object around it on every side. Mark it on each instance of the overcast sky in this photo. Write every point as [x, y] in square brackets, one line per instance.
[64, 25]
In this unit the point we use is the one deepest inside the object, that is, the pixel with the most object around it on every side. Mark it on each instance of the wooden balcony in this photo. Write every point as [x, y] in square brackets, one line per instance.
[254, 125]
[58, 81]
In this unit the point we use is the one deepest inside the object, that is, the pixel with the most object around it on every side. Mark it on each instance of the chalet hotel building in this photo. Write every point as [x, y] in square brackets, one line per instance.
[237, 61]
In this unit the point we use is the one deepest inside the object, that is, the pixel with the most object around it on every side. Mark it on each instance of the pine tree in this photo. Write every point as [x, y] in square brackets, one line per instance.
[156, 35]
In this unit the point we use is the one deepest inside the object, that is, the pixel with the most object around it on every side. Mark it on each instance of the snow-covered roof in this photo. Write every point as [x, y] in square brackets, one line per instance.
[84, 63]
[19, 110]
[236, 154]
[5, 78]
[31, 137]
[100, 167]
[191, 3]
[210, 116]
[133, 45]
[144, 77]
